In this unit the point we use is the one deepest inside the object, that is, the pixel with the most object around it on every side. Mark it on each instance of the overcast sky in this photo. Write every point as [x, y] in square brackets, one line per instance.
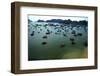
[42, 17]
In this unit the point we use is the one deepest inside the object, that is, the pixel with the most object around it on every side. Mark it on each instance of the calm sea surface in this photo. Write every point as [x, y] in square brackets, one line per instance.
[55, 42]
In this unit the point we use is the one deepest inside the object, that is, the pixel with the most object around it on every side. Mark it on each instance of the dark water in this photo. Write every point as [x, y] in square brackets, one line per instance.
[46, 42]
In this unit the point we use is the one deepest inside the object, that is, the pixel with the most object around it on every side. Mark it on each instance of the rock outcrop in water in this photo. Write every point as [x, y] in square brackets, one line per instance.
[60, 27]
[44, 43]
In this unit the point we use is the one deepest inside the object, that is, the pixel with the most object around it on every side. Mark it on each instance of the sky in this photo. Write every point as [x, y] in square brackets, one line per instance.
[48, 17]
